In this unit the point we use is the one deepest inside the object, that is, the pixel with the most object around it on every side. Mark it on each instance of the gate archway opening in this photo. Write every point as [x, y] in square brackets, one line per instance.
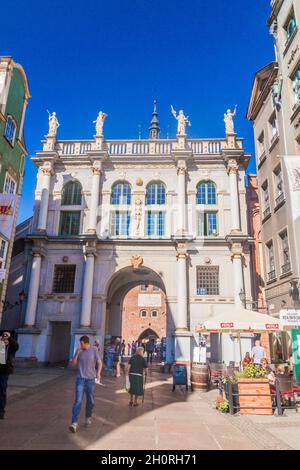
[136, 303]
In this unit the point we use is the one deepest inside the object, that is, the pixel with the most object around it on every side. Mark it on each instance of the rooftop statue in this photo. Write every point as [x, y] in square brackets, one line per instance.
[100, 123]
[53, 124]
[182, 121]
[228, 119]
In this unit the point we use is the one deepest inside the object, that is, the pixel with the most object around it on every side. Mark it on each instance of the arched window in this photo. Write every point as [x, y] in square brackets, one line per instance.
[154, 314]
[71, 194]
[121, 194]
[206, 193]
[70, 219]
[156, 193]
[143, 313]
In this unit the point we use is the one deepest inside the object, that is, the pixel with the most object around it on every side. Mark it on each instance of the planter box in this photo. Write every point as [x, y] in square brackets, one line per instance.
[254, 397]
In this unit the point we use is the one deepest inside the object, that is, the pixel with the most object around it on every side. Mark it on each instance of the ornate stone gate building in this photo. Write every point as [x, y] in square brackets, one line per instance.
[114, 214]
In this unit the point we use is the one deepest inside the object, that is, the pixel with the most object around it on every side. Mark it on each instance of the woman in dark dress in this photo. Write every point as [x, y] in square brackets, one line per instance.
[137, 370]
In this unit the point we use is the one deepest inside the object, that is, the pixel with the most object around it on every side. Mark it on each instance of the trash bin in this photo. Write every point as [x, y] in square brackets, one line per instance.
[180, 375]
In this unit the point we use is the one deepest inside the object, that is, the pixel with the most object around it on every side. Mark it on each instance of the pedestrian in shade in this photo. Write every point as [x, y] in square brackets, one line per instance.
[10, 347]
[137, 372]
[86, 358]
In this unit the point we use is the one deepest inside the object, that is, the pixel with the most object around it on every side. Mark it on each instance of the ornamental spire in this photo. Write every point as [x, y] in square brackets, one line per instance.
[154, 129]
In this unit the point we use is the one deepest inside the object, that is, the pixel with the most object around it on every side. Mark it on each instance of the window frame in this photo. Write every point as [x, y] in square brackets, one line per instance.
[206, 214]
[65, 211]
[207, 190]
[54, 280]
[157, 223]
[10, 123]
[12, 180]
[71, 202]
[116, 215]
[121, 195]
[215, 289]
[158, 185]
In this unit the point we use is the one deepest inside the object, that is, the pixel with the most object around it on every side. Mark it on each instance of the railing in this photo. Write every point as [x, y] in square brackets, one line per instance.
[279, 199]
[276, 394]
[144, 147]
[262, 157]
[266, 213]
[286, 268]
[275, 137]
[272, 275]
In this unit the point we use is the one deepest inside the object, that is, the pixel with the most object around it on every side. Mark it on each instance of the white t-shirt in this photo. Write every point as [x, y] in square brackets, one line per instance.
[258, 354]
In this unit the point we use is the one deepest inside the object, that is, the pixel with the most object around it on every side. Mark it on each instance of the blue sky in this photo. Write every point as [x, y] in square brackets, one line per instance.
[84, 56]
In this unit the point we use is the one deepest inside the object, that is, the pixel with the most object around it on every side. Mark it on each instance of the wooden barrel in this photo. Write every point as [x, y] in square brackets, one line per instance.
[199, 377]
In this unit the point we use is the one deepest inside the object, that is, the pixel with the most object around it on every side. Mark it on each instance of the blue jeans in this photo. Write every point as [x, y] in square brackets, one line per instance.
[109, 363]
[86, 386]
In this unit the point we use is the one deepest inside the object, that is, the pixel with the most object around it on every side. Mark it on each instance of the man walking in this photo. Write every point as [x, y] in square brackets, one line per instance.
[86, 359]
[10, 347]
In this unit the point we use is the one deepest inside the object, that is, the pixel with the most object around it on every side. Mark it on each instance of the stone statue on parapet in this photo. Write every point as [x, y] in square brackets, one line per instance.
[182, 121]
[53, 124]
[228, 119]
[100, 123]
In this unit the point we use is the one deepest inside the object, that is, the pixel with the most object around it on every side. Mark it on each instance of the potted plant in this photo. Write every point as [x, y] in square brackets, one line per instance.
[254, 391]
[222, 404]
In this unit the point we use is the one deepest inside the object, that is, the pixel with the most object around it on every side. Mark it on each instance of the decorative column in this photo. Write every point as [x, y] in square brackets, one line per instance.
[33, 293]
[43, 209]
[87, 290]
[182, 300]
[182, 335]
[96, 169]
[232, 170]
[181, 172]
[237, 259]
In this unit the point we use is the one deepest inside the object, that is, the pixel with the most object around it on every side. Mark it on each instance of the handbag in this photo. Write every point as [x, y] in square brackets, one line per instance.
[127, 383]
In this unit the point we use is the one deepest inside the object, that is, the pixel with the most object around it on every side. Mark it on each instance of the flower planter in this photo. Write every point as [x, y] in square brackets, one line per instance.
[254, 397]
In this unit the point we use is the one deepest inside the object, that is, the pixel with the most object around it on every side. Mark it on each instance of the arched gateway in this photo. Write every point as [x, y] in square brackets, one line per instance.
[168, 213]
[137, 305]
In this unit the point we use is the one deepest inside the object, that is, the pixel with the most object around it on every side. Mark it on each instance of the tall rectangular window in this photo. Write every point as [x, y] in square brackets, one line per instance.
[285, 250]
[278, 185]
[64, 278]
[265, 199]
[155, 223]
[296, 86]
[119, 223]
[10, 185]
[69, 223]
[270, 261]
[10, 130]
[208, 280]
[261, 144]
[207, 224]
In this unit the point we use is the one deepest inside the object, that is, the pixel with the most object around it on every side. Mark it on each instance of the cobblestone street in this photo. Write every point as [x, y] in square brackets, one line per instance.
[39, 408]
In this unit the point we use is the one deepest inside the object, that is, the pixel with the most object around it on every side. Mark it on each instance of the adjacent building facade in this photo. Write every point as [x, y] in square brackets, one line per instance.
[112, 215]
[14, 96]
[274, 109]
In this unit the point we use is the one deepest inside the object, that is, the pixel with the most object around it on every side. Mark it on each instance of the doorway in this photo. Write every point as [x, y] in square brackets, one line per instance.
[60, 342]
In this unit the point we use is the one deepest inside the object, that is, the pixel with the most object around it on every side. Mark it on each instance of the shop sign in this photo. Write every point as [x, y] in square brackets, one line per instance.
[7, 211]
[290, 317]
[227, 325]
